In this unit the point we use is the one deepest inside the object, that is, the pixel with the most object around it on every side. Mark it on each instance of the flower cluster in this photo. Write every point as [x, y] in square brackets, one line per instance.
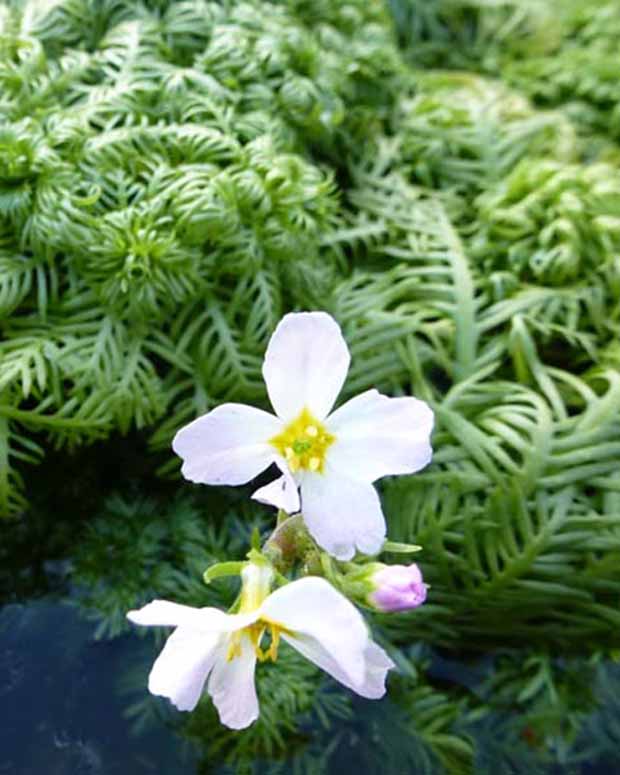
[329, 521]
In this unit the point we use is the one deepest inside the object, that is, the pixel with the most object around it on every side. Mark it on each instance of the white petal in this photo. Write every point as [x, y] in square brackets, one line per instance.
[377, 436]
[229, 445]
[281, 493]
[231, 686]
[376, 665]
[163, 613]
[167, 614]
[320, 620]
[180, 671]
[341, 514]
[305, 364]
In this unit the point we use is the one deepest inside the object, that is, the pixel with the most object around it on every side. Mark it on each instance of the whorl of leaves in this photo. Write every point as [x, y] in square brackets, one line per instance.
[558, 52]
[163, 200]
[168, 190]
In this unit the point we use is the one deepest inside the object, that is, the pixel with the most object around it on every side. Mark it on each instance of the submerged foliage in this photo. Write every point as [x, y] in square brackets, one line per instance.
[174, 176]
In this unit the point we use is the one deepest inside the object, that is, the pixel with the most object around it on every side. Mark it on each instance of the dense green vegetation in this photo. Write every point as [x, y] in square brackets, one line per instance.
[443, 176]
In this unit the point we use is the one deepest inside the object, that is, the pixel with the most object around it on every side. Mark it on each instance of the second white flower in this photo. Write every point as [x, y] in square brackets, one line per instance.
[219, 650]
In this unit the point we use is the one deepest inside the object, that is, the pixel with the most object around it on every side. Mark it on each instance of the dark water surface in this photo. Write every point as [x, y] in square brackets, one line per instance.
[65, 699]
[64, 702]
[75, 705]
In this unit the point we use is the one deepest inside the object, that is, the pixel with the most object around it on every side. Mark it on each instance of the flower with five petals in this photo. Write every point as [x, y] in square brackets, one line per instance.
[220, 650]
[332, 459]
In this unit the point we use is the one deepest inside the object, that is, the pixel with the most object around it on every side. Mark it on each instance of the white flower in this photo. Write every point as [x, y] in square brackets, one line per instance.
[220, 649]
[333, 458]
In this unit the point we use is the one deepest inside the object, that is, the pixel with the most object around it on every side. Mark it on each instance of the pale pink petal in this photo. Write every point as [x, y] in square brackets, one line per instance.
[282, 492]
[180, 671]
[305, 364]
[341, 514]
[318, 619]
[229, 445]
[163, 613]
[376, 665]
[379, 436]
[231, 686]
[256, 581]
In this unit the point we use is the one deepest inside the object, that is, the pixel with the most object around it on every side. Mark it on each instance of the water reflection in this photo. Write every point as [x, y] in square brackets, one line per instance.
[78, 706]
[64, 714]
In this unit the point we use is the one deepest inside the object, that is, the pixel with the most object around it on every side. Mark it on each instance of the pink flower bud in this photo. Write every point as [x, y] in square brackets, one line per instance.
[397, 588]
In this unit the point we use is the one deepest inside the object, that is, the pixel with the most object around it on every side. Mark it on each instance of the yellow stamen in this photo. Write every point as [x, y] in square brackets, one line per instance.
[234, 647]
[256, 583]
[275, 642]
[255, 632]
[292, 459]
[304, 443]
[272, 652]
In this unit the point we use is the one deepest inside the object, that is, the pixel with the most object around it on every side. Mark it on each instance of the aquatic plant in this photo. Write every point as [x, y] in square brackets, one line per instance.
[159, 203]
[333, 458]
[174, 177]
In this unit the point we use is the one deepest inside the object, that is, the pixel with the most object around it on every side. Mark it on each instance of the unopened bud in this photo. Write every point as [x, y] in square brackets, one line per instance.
[397, 588]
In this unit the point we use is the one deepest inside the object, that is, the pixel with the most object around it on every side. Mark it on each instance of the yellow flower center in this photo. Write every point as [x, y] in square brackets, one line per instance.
[303, 443]
[255, 632]
[256, 581]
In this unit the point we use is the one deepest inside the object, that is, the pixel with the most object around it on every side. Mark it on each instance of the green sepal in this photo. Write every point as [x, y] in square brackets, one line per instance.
[398, 548]
[255, 539]
[220, 569]
[256, 555]
[280, 579]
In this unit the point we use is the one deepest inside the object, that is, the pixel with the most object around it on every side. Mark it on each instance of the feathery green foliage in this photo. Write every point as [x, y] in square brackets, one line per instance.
[175, 176]
[159, 204]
